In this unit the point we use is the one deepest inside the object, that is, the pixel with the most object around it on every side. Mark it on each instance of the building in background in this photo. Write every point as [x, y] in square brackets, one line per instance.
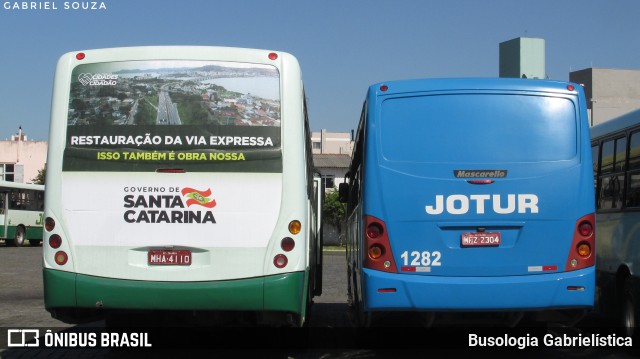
[332, 142]
[20, 159]
[523, 57]
[332, 156]
[610, 92]
[332, 168]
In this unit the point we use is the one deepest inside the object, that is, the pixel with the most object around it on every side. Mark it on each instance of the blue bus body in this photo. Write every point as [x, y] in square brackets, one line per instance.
[471, 195]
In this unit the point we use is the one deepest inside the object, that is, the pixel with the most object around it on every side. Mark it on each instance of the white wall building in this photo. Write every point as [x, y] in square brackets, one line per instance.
[332, 142]
[610, 92]
[332, 156]
[20, 159]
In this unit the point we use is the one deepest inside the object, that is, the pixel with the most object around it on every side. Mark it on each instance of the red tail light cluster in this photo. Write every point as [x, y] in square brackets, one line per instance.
[280, 261]
[378, 254]
[55, 241]
[287, 244]
[582, 252]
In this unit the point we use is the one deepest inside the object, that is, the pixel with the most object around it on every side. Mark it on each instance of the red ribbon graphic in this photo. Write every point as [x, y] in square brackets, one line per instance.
[205, 194]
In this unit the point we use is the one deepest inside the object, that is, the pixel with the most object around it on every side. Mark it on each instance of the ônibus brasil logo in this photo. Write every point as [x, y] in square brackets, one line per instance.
[175, 207]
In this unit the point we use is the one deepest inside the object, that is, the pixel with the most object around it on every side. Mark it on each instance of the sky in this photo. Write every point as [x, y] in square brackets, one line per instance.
[343, 46]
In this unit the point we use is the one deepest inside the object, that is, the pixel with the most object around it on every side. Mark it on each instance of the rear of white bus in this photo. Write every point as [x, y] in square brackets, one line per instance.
[165, 182]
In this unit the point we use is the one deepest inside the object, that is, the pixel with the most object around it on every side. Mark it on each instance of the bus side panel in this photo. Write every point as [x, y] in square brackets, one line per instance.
[34, 233]
[59, 289]
[285, 292]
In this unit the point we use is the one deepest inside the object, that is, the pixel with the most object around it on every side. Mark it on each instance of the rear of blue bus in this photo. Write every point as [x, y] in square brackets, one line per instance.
[478, 196]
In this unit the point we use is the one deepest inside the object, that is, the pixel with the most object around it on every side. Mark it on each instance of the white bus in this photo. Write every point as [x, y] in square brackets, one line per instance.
[21, 206]
[180, 179]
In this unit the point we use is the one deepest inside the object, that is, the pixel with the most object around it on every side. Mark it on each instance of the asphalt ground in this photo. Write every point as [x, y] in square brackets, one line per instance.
[330, 332]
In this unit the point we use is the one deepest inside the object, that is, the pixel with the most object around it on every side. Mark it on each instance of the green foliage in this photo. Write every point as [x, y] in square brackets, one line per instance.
[333, 211]
[190, 109]
[39, 179]
[146, 114]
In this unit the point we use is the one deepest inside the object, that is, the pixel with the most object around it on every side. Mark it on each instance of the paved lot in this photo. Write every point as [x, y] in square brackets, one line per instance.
[22, 306]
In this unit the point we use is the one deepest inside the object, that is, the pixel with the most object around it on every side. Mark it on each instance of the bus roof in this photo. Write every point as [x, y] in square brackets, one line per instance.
[18, 185]
[615, 124]
[489, 83]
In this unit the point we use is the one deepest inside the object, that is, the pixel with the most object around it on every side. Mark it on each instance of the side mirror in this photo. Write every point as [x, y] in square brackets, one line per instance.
[343, 192]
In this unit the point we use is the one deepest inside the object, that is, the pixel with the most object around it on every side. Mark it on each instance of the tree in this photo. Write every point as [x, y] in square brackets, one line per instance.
[333, 210]
[39, 179]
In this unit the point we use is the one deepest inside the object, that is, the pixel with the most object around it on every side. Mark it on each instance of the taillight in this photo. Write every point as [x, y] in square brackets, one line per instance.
[61, 257]
[295, 227]
[55, 241]
[581, 253]
[287, 244]
[379, 256]
[376, 251]
[585, 228]
[280, 261]
[49, 224]
[584, 249]
[374, 230]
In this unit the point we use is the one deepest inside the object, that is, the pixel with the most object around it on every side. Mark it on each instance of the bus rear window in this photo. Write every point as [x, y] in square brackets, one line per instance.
[193, 115]
[478, 128]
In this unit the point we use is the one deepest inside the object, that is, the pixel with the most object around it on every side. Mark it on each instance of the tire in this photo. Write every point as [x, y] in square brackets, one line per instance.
[628, 315]
[20, 236]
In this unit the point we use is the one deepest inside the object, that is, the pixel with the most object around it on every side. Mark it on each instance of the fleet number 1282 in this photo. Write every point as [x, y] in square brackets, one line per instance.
[423, 259]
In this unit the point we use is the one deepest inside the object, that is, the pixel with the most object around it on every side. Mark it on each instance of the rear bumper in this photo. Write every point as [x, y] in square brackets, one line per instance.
[64, 290]
[527, 292]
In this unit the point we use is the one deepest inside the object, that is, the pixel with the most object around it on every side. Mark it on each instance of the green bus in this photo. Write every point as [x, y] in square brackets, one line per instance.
[21, 210]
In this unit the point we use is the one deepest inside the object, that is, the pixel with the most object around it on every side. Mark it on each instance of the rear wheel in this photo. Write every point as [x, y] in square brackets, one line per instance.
[628, 310]
[18, 239]
[20, 236]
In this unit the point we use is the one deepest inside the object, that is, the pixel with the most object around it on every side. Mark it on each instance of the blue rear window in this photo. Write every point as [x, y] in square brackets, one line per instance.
[486, 128]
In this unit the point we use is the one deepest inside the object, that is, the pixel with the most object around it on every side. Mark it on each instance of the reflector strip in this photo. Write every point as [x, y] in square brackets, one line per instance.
[415, 269]
[386, 290]
[542, 268]
[573, 287]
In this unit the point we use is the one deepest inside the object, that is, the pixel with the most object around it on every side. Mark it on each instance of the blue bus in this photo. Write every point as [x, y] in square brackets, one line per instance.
[472, 195]
[616, 168]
